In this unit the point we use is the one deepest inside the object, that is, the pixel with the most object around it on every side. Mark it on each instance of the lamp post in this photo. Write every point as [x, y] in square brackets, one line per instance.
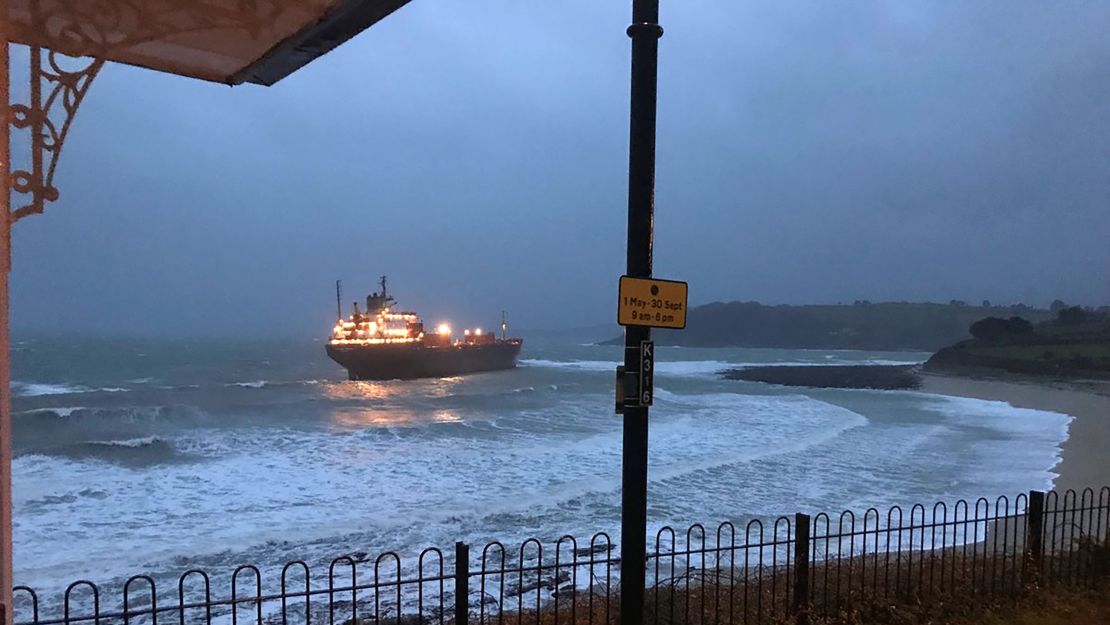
[645, 33]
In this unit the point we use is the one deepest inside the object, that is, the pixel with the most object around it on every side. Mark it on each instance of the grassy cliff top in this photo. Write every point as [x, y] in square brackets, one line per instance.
[1074, 342]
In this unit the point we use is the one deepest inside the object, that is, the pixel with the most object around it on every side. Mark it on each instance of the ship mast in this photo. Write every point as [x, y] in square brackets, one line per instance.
[338, 297]
[383, 288]
[504, 326]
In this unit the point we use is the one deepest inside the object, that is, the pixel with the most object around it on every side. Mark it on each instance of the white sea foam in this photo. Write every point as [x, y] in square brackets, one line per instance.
[62, 412]
[690, 367]
[885, 362]
[131, 443]
[1001, 416]
[35, 389]
[255, 384]
[1038, 435]
[515, 464]
[582, 365]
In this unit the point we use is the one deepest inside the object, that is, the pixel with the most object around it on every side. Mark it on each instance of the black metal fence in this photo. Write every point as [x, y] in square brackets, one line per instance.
[788, 568]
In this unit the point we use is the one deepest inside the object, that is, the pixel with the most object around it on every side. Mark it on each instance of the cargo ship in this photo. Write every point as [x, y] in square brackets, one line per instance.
[380, 343]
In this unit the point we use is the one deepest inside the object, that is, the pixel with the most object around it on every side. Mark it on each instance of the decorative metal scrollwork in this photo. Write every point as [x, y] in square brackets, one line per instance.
[48, 121]
[82, 34]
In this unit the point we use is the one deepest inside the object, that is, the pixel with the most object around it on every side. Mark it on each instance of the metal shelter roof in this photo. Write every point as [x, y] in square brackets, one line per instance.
[225, 41]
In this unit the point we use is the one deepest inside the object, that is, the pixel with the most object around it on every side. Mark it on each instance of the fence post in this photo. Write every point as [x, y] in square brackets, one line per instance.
[462, 583]
[1034, 537]
[801, 568]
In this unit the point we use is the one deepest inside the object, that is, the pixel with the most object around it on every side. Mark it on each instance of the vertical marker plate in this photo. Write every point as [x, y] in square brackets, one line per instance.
[647, 372]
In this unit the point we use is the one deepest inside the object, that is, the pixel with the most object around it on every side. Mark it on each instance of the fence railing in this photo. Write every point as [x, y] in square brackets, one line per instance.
[763, 572]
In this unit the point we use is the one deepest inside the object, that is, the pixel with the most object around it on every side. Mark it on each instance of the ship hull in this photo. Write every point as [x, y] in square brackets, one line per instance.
[406, 362]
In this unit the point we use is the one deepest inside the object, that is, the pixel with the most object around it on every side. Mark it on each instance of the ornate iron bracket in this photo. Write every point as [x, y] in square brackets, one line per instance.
[85, 32]
[48, 121]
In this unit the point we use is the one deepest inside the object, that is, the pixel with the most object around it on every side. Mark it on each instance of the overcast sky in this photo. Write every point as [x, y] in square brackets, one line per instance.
[477, 153]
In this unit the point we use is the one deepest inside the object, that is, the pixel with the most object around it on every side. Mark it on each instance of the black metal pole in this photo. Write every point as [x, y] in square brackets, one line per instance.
[645, 33]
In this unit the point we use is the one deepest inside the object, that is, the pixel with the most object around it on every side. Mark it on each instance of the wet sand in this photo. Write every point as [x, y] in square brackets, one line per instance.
[1085, 456]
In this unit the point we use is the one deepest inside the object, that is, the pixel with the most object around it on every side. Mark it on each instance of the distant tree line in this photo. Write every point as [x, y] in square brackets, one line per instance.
[997, 330]
[864, 324]
[861, 325]
[1017, 329]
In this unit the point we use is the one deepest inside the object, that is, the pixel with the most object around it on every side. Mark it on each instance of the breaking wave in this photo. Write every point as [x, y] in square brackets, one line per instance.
[132, 452]
[60, 412]
[257, 384]
[131, 443]
[249, 453]
[38, 389]
[31, 389]
[68, 420]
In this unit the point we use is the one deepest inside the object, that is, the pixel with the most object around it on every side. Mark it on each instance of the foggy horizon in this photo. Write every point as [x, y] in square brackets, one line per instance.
[600, 330]
[807, 154]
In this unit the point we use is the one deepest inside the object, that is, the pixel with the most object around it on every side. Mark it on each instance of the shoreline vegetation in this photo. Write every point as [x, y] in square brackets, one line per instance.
[1074, 344]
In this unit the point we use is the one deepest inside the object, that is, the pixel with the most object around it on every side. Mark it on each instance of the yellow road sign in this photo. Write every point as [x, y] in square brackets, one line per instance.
[652, 303]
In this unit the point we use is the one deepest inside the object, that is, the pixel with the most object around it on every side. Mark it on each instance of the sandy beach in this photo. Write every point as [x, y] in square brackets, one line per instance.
[1085, 457]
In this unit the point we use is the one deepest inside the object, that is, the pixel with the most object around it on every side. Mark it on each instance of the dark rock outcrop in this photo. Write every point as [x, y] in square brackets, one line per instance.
[883, 377]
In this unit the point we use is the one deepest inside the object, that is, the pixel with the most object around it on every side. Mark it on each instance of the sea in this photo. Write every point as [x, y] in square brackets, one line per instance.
[141, 456]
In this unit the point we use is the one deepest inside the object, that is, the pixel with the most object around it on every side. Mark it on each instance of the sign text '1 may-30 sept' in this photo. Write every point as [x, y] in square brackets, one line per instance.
[652, 303]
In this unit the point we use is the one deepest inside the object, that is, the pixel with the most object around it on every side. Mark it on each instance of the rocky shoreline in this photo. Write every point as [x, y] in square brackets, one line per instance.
[882, 377]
